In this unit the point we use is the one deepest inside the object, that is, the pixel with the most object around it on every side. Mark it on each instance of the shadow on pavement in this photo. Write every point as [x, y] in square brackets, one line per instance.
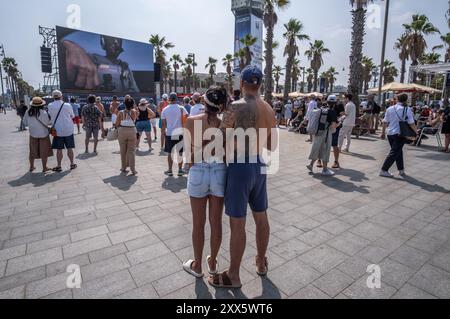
[142, 154]
[436, 156]
[175, 185]
[270, 291]
[425, 186]
[201, 290]
[38, 180]
[340, 185]
[84, 156]
[362, 156]
[355, 176]
[122, 181]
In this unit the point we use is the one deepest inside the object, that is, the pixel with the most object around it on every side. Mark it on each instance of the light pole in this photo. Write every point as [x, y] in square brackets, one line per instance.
[192, 56]
[383, 52]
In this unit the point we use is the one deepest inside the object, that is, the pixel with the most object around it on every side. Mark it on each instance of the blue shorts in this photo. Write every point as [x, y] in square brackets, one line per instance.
[143, 126]
[207, 180]
[59, 143]
[246, 185]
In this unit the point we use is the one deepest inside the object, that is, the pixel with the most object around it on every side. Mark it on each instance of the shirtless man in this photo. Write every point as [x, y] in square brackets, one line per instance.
[101, 108]
[246, 182]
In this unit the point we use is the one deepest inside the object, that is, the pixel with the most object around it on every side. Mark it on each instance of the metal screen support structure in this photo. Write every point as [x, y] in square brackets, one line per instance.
[51, 80]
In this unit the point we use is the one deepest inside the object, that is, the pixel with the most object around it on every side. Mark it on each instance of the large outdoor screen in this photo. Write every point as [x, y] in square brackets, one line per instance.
[95, 63]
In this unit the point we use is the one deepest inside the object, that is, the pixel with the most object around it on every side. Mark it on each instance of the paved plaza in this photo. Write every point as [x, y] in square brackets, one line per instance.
[130, 235]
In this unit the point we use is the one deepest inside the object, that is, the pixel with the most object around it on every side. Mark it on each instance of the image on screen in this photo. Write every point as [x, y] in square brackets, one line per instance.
[91, 62]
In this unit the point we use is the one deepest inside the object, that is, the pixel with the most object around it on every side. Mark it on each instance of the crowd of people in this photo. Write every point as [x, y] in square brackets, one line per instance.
[214, 181]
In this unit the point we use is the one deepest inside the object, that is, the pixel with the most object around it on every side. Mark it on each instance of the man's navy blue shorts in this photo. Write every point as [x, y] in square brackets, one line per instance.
[246, 185]
[59, 143]
[335, 142]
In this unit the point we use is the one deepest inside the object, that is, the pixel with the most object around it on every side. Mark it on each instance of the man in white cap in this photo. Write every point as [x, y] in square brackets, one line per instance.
[198, 108]
[62, 116]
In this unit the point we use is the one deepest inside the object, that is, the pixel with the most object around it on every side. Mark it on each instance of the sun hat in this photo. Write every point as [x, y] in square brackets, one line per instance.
[57, 94]
[143, 102]
[37, 101]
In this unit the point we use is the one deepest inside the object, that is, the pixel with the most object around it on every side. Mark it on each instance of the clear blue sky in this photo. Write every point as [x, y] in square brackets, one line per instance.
[205, 27]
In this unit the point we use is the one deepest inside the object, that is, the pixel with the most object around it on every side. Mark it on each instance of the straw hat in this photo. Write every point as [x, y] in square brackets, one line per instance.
[37, 101]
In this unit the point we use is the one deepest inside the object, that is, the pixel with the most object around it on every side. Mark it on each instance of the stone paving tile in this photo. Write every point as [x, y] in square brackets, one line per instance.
[153, 270]
[293, 276]
[355, 267]
[433, 280]
[442, 260]
[142, 242]
[129, 234]
[147, 253]
[86, 246]
[291, 249]
[359, 290]
[348, 243]
[60, 295]
[15, 293]
[145, 292]
[106, 253]
[12, 252]
[410, 257]
[315, 237]
[333, 282]
[394, 273]
[47, 286]
[61, 266]
[22, 278]
[106, 287]
[104, 267]
[35, 260]
[48, 243]
[89, 233]
[309, 292]
[410, 292]
[174, 282]
[323, 258]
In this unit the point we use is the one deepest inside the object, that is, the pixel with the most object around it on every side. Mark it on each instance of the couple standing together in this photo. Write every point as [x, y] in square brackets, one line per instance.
[235, 185]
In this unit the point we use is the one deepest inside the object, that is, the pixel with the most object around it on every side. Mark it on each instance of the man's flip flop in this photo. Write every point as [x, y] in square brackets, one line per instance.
[57, 169]
[187, 266]
[74, 166]
[223, 281]
[266, 264]
[212, 272]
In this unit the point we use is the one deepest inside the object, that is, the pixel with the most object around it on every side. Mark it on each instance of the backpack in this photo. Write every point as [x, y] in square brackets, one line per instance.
[318, 116]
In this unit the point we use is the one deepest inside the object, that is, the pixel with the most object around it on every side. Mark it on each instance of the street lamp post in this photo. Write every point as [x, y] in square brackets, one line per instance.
[192, 56]
[383, 52]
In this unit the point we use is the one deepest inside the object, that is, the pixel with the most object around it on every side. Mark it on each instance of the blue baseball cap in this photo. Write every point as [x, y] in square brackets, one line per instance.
[252, 75]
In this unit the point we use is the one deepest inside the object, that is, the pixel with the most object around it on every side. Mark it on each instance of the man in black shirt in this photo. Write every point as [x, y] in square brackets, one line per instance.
[21, 110]
[375, 112]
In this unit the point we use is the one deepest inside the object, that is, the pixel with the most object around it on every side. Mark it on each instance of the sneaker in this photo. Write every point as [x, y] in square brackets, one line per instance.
[386, 174]
[309, 167]
[181, 173]
[328, 172]
[169, 173]
[402, 173]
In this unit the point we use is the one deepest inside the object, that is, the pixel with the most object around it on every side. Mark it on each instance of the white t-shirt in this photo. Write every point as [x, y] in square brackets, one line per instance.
[394, 115]
[172, 115]
[311, 106]
[197, 109]
[38, 125]
[64, 123]
[350, 117]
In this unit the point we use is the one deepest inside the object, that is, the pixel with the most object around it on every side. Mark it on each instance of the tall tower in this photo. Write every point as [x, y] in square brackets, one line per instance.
[249, 20]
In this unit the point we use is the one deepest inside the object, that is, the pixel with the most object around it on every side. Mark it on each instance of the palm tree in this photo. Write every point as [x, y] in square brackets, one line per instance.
[167, 72]
[446, 39]
[240, 55]
[160, 46]
[12, 72]
[248, 41]
[390, 72]
[293, 33]
[228, 61]
[310, 79]
[430, 58]
[415, 34]
[402, 46]
[270, 20]
[358, 32]
[177, 62]
[315, 55]
[332, 73]
[277, 73]
[368, 66]
[212, 65]
[189, 62]
[295, 74]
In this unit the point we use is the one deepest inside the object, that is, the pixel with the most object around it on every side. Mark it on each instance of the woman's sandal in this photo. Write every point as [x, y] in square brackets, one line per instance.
[74, 166]
[223, 281]
[266, 264]
[210, 271]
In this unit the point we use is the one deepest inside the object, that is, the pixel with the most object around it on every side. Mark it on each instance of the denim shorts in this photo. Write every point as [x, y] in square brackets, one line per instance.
[207, 180]
[143, 126]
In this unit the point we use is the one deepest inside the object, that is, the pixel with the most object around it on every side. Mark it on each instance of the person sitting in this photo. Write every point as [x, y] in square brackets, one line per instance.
[431, 127]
